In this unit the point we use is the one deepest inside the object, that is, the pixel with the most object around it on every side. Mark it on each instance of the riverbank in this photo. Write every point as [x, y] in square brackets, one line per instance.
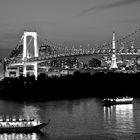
[79, 85]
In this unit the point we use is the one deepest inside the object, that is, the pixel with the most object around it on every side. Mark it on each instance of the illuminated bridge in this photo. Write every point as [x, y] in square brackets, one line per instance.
[29, 52]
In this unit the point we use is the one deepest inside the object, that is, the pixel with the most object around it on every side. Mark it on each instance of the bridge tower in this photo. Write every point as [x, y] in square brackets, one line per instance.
[26, 53]
[113, 58]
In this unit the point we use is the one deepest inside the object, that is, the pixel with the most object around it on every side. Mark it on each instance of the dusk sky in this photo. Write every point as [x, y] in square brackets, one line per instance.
[67, 21]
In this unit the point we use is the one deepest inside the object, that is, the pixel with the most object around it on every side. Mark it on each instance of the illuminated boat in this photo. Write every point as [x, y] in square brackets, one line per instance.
[8, 125]
[118, 100]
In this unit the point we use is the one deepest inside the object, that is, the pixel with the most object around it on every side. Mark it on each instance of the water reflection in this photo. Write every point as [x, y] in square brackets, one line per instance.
[19, 136]
[30, 111]
[86, 118]
[119, 118]
[72, 118]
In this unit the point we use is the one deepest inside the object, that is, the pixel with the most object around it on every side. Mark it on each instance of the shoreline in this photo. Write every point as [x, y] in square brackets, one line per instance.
[79, 85]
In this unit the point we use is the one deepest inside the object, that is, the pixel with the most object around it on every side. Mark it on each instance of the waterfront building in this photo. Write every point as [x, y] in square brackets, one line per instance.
[12, 72]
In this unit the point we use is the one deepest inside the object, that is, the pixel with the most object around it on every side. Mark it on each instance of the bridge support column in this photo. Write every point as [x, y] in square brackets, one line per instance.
[113, 58]
[24, 70]
[25, 47]
[26, 53]
[35, 70]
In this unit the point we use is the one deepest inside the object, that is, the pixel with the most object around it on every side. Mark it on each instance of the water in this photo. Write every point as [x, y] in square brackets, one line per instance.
[84, 119]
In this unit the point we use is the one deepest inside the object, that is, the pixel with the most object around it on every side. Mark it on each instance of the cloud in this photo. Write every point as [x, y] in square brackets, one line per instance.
[131, 21]
[108, 6]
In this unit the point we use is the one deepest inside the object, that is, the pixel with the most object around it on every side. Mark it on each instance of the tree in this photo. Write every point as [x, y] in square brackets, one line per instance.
[94, 63]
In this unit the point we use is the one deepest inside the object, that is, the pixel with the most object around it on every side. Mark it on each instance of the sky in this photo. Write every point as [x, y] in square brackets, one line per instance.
[66, 22]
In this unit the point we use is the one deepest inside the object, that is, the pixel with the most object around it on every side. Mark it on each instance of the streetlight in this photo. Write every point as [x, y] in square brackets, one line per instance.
[132, 45]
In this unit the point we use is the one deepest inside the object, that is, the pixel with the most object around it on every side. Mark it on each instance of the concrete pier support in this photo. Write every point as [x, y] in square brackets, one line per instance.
[24, 70]
[35, 70]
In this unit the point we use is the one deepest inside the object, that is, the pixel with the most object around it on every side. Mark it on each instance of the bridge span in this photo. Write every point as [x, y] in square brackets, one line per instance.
[21, 55]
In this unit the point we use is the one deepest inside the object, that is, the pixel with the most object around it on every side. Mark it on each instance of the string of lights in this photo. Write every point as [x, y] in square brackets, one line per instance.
[55, 45]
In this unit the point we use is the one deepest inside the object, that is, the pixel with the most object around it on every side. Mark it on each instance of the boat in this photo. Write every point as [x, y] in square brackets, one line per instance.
[13, 124]
[117, 100]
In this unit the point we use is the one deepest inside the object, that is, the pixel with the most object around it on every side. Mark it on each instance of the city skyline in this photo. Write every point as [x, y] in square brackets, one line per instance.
[69, 69]
[66, 22]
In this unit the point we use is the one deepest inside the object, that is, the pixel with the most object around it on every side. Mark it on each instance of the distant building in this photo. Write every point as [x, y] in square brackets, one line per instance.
[53, 73]
[12, 72]
[64, 72]
[138, 61]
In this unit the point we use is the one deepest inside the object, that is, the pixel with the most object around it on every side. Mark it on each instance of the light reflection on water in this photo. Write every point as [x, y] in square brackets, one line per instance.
[19, 136]
[85, 118]
[119, 118]
[30, 111]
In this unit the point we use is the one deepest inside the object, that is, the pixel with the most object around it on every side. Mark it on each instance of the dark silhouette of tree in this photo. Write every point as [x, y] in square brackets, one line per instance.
[94, 62]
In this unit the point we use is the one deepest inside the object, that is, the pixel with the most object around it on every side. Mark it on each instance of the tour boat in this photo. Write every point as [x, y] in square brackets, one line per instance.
[118, 100]
[13, 124]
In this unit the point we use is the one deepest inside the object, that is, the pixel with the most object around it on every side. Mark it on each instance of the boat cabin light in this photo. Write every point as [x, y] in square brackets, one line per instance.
[7, 118]
[1, 118]
[20, 118]
[14, 118]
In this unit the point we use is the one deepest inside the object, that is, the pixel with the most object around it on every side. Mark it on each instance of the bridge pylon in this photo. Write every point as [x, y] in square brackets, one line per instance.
[113, 58]
[26, 53]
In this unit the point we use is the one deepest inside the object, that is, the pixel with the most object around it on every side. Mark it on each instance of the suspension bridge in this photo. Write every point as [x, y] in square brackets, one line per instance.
[32, 55]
